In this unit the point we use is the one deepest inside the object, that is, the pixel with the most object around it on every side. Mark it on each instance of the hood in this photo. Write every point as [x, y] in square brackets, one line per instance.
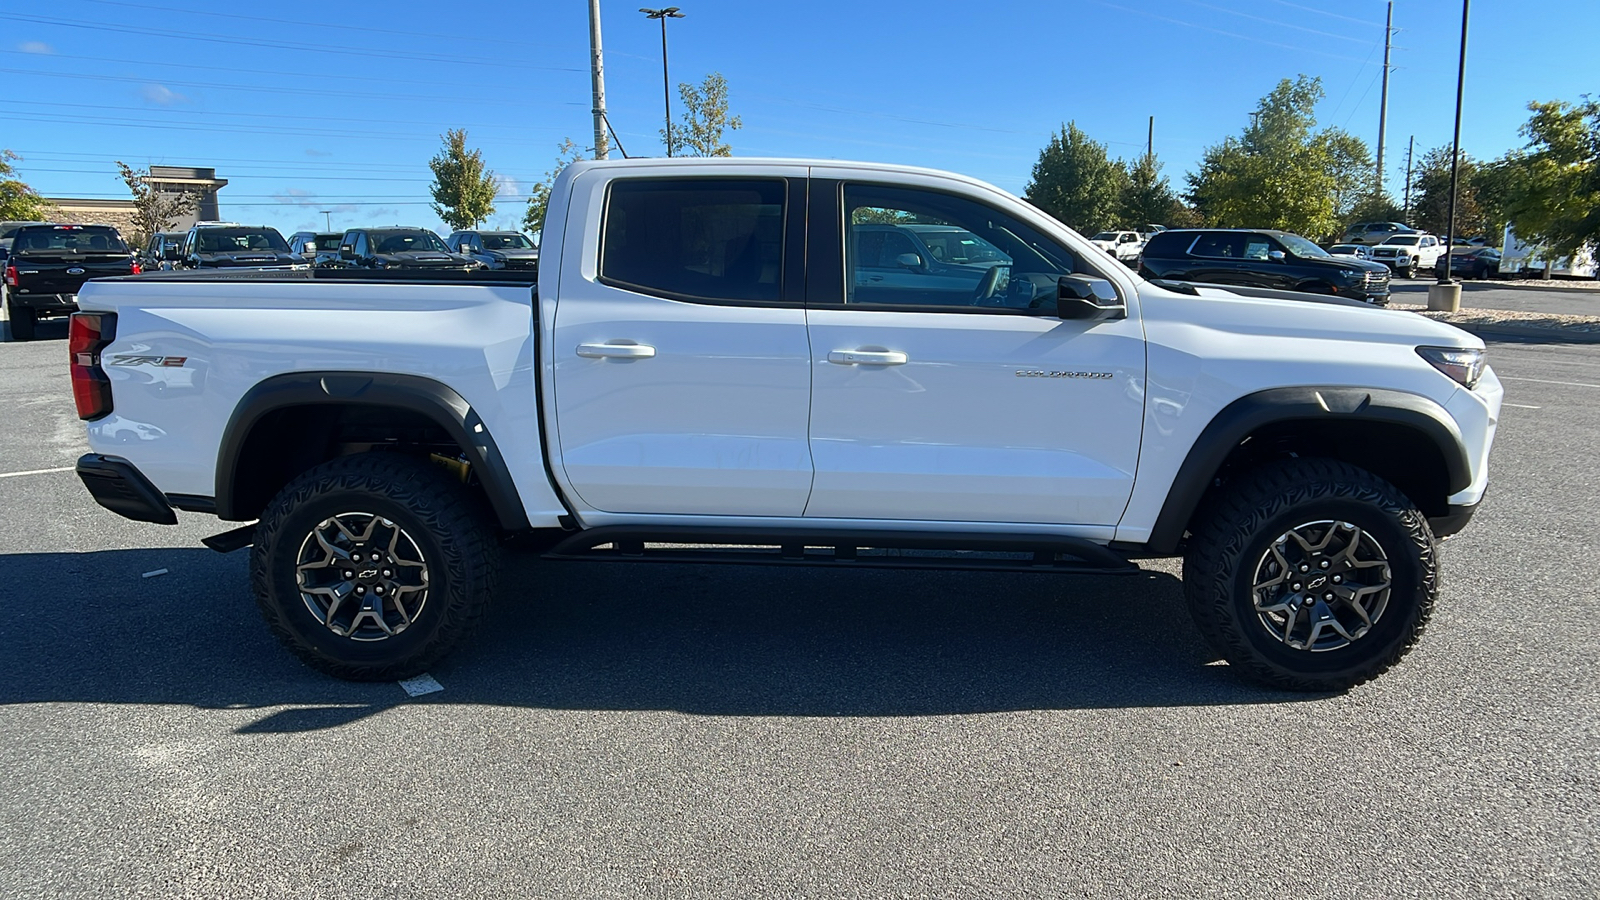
[1344, 262]
[249, 258]
[426, 259]
[1316, 316]
[513, 254]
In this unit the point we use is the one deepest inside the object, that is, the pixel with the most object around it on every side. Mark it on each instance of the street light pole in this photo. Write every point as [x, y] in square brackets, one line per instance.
[1447, 293]
[327, 218]
[663, 15]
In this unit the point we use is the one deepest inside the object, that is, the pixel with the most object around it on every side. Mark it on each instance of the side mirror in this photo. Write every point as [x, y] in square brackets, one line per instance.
[347, 251]
[308, 248]
[909, 260]
[1275, 255]
[1084, 297]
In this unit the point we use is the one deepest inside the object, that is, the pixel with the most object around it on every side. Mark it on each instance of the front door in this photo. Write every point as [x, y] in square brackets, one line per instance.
[990, 411]
[681, 362]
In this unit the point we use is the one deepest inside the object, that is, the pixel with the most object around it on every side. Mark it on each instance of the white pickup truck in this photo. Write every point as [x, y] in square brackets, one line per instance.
[709, 369]
[1124, 245]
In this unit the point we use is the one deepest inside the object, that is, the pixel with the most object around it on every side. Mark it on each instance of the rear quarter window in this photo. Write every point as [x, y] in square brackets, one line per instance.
[1168, 244]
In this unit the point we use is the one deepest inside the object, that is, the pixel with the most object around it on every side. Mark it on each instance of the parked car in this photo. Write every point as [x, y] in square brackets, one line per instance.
[164, 250]
[324, 252]
[1262, 259]
[400, 248]
[1371, 233]
[226, 245]
[690, 372]
[1359, 251]
[944, 265]
[1481, 263]
[496, 249]
[1406, 253]
[48, 264]
[1124, 245]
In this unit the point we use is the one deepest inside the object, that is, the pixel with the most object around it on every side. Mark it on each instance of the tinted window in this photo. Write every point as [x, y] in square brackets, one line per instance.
[1258, 246]
[67, 239]
[407, 242]
[1168, 244]
[711, 239]
[505, 242]
[1220, 244]
[1018, 267]
[236, 240]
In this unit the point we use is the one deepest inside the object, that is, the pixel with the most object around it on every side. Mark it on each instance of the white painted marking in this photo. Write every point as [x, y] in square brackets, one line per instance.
[154, 573]
[422, 684]
[36, 472]
[1548, 381]
[1523, 406]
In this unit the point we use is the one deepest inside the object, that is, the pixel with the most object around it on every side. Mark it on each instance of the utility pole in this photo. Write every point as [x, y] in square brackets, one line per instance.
[1407, 205]
[670, 12]
[1150, 142]
[597, 76]
[327, 215]
[1383, 104]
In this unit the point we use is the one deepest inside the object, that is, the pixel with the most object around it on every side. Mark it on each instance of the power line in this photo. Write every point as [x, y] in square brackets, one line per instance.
[281, 116]
[1321, 12]
[1278, 23]
[281, 45]
[1232, 34]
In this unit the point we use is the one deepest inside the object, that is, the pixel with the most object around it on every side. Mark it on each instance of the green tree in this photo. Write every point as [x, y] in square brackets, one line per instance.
[1375, 208]
[463, 191]
[153, 211]
[1551, 189]
[1431, 210]
[1146, 195]
[539, 196]
[698, 132]
[18, 202]
[1281, 172]
[1077, 182]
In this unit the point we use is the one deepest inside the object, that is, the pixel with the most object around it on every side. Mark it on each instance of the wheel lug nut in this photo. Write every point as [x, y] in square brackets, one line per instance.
[1296, 586]
[1304, 567]
[1338, 579]
[349, 575]
[361, 589]
[375, 556]
[1328, 596]
[1323, 564]
[379, 590]
[387, 573]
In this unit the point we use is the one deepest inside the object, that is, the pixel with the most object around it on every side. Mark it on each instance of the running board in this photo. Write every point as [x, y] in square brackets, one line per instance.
[843, 548]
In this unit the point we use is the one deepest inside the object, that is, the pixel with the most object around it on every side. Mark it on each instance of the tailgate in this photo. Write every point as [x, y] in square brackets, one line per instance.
[64, 274]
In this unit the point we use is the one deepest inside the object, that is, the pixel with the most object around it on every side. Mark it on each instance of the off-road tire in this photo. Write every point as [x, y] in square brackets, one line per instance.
[1236, 530]
[24, 321]
[449, 526]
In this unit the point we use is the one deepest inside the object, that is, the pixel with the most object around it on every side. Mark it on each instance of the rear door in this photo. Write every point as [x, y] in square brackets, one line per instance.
[991, 411]
[682, 380]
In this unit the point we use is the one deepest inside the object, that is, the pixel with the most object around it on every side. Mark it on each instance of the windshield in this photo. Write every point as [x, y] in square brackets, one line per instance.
[961, 247]
[240, 240]
[512, 241]
[329, 241]
[406, 242]
[68, 239]
[1301, 247]
[1346, 249]
[1105, 236]
[1406, 239]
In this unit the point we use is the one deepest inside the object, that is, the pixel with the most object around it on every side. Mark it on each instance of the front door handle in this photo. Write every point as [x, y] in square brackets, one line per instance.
[616, 351]
[868, 357]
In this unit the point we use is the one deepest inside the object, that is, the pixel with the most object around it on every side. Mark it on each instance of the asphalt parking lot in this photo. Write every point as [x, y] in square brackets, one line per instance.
[1576, 298]
[642, 730]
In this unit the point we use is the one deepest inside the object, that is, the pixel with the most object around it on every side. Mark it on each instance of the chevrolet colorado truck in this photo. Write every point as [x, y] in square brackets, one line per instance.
[701, 373]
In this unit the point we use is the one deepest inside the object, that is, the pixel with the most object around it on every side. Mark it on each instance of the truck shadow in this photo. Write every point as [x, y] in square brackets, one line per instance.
[704, 640]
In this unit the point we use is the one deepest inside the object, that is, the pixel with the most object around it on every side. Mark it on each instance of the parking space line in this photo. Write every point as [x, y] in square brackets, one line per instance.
[1548, 381]
[1522, 405]
[36, 472]
[420, 684]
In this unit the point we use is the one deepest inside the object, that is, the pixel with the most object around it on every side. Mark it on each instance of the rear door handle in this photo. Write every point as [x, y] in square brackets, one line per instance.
[616, 351]
[868, 357]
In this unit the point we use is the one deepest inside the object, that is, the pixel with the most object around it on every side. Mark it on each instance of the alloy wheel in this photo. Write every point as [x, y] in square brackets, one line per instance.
[1321, 586]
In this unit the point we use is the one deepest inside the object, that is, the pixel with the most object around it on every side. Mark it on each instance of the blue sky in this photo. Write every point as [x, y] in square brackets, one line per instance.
[305, 107]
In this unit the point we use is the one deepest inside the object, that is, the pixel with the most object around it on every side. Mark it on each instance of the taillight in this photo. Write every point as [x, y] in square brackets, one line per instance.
[88, 334]
[11, 275]
[137, 270]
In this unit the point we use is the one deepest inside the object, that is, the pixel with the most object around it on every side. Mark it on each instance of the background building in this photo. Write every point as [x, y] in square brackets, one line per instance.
[168, 180]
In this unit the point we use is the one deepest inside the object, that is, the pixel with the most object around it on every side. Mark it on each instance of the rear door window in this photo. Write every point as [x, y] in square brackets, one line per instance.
[713, 239]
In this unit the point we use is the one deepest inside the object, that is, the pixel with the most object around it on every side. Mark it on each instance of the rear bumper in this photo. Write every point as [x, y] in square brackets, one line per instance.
[120, 487]
[44, 303]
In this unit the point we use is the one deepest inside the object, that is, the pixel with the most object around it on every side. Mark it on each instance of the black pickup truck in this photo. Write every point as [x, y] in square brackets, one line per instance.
[49, 263]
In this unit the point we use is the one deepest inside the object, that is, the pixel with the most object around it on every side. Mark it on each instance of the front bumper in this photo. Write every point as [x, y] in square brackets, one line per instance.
[1455, 520]
[120, 487]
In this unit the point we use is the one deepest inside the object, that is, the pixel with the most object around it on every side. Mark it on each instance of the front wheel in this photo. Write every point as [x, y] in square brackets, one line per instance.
[1410, 271]
[1311, 575]
[372, 567]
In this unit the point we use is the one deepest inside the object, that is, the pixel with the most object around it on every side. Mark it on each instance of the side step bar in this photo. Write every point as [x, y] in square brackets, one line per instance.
[805, 547]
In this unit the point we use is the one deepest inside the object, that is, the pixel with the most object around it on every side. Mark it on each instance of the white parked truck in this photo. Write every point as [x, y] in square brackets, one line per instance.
[710, 367]
[1124, 245]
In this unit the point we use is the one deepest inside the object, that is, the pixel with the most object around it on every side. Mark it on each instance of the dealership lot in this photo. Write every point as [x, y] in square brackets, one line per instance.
[644, 729]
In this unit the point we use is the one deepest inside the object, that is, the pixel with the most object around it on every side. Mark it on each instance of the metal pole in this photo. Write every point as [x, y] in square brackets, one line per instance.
[1455, 145]
[597, 77]
[1383, 103]
[666, 89]
[327, 218]
[1406, 206]
[1150, 142]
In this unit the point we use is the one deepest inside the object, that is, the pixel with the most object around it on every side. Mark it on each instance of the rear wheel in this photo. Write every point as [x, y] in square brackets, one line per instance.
[372, 567]
[1311, 575]
[24, 321]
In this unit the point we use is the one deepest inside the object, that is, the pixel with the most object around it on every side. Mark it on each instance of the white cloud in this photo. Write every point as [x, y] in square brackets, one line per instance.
[510, 188]
[314, 152]
[39, 47]
[162, 95]
[295, 197]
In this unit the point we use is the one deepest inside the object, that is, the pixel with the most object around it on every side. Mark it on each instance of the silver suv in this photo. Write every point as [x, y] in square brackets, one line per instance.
[1373, 233]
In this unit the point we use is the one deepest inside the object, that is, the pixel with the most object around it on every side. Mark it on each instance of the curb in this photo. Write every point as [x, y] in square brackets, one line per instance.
[1544, 335]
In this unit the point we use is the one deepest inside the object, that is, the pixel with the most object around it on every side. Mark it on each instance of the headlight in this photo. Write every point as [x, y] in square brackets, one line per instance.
[1464, 367]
